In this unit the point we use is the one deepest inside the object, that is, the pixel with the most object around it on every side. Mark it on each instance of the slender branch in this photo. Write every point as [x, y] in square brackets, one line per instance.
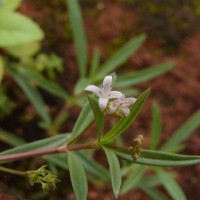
[41, 152]
[12, 171]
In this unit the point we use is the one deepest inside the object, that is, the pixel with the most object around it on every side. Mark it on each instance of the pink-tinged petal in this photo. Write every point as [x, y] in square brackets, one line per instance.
[126, 111]
[112, 107]
[115, 95]
[122, 98]
[131, 100]
[94, 89]
[107, 85]
[103, 103]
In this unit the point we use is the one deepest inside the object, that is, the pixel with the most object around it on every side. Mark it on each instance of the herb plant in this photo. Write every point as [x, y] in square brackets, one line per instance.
[116, 96]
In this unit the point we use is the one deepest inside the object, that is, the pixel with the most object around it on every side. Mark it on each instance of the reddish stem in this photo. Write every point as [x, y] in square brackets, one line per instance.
[41, 152]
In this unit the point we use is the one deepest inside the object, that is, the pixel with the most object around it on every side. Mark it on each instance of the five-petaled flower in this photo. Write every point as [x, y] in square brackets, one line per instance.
[104, 93]
[121, 105]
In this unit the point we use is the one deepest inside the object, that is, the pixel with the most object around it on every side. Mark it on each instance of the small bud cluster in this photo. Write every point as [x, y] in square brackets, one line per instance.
[44, 177]
[137, 147]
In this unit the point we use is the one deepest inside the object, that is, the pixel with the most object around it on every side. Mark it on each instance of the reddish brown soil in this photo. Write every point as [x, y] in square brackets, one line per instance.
[177, 92]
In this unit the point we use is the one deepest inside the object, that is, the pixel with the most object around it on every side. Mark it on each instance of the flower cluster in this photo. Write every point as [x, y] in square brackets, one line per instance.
[112, 101]
[44, 177]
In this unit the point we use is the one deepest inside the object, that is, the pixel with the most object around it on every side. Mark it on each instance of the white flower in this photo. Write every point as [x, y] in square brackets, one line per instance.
[122, 105]
[104, 93]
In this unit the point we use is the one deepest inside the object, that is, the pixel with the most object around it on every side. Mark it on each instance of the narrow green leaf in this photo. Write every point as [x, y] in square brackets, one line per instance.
[81, 85]
[78, 177]
[52, 168]
[10, 138]
[175, 149]
[84, 120]
[40, 144]
[170, 185]
[91, 166]
[133, 179]
[125, 122]
[183, 132]
[99, 116]
[166, 156]
[58, 159]
[131, 91]
[43, 82]
[79, 36]
[16, 29]
[94, 64]
[32, 94]
[115, 171]
[122, 55]
[133, 78]
[150, 181]
[155, 127]
[157, 158]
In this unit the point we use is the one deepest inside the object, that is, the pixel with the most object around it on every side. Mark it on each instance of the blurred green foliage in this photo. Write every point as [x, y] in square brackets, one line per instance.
[6, 105]
[44, 63]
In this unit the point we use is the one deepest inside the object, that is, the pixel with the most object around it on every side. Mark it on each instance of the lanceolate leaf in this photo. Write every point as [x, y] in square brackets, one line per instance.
[40, 144]
[170, 185]
[10, 138]
[43, 82]
[125, 122]
[81, 85]
[133, 78]
[78, 35]
[122, 55]
[133, 178]
[84, 120]
[94, 64]
[157, 158]
[78, 177]
[183, 132]
[115, 171]
[155, 127]
[131, 92]
[99, 116]
[58, 159]
[32, 94]
[91, 166]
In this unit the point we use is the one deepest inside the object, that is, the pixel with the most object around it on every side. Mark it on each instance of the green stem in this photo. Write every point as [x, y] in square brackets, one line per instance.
[12, 171]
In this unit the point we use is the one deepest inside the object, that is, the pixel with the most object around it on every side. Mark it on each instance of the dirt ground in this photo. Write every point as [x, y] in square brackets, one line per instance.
[109, 24]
